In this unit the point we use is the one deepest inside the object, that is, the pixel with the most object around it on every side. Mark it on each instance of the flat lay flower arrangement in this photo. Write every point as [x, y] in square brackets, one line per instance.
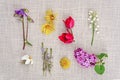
[83, 58]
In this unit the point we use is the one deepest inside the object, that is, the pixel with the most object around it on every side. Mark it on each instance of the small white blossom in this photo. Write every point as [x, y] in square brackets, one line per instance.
[96, 29]
[88, 19]
[97, 19]
[91, 11]
[98, 32]
[98, 26]
[27, 59]
[93, 23]
[93, 20]
[90, 26]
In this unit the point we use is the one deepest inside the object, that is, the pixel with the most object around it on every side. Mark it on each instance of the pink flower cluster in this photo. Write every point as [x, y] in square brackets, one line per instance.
[85, 59]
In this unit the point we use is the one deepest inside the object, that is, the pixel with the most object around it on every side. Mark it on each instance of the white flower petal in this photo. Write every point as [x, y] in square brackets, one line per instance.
[25, 57]
[95, 24]
[98, 32]
[96, 29]
[31, 61]
[98, 26]
[27, 61]
[91, 11]
[96, 15]
[90, 26]
[97, 19]
[91, 21]
[88, 19]
[90, 16]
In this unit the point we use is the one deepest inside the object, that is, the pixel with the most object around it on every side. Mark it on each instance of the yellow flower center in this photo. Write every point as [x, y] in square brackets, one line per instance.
[30, 57]
[47, 26]
[52, 17]
[65, 63]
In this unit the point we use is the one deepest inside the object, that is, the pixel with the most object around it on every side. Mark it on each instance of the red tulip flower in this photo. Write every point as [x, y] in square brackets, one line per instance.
[66, 37]
[69, 22]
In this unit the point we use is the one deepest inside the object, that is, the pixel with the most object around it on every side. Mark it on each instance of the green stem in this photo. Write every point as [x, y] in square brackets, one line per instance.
[50, 52]
[23, 33]
[68, 30]
[44, 61]
[93, 31]
[27, 31]
[42, 45]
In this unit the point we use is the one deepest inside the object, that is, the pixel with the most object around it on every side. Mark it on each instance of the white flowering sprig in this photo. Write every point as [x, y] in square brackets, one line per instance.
[27, 59]
[46, 56]
[93, 23]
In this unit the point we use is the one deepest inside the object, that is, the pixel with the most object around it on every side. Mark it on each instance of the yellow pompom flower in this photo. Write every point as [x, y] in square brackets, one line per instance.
[65, 63]
[50, 16]
[47, 28]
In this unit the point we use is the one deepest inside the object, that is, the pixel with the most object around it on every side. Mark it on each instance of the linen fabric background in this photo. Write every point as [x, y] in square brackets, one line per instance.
[11, 39]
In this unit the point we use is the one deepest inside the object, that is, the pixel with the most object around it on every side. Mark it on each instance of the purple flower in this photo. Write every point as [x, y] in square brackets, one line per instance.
[20, 13]
[83, 58]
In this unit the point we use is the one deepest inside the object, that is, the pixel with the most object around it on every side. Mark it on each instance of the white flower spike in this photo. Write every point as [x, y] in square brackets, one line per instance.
[93, 23]
[27, 59]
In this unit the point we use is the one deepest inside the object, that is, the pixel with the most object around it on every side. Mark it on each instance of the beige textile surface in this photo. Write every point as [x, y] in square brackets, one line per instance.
[11, 39]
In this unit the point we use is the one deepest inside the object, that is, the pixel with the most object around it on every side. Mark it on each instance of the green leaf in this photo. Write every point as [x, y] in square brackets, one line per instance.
[30, 19]
[26, 10]
[28, 43]
[101, 55]
[99, 69]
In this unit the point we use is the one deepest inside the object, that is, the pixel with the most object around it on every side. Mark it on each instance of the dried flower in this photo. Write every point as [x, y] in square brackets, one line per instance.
[93, 23]
[48, 28]
[66, 37]
[21, 14]
[69, 22]
[65, 63]
[50, 16]
[27, 59]
[46, 56]
[84, 59]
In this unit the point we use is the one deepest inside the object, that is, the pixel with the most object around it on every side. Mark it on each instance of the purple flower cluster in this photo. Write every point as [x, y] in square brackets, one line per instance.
[85, 59]
[20, 12]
